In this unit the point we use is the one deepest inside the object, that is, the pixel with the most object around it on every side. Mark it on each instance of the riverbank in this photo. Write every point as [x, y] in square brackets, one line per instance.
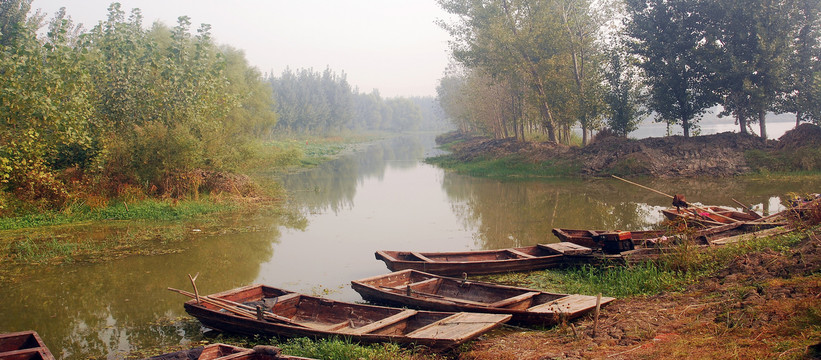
[718, 155]
[137, 224]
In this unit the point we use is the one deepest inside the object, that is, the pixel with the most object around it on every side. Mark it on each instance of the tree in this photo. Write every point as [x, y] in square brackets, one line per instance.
[803, 93]
[509, 37]
[755, 40]
[668, 36]
[623, 95]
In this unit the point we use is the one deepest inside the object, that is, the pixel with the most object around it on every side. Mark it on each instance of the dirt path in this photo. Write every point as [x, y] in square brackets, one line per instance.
[762, 306]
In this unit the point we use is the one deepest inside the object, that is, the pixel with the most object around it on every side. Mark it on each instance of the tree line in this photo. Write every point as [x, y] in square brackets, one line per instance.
[546, 66]
[324, 102]
[124, 109]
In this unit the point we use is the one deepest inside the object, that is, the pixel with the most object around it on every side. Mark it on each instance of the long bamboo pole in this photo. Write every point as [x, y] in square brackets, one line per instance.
[671, 196]
[237, 308]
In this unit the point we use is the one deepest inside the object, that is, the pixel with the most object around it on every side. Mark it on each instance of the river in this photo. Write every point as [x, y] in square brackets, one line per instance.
[383, 197]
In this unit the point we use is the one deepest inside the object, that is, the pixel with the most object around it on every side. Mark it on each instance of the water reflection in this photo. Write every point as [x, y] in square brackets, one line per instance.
[89, 310]
[383, 197]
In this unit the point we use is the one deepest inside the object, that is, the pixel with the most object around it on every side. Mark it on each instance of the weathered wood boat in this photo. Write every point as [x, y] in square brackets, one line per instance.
[421, 290]
[534, 257]
[593, 238]
[228, 352]
[707, 216]
[265, 310]
[23, 345]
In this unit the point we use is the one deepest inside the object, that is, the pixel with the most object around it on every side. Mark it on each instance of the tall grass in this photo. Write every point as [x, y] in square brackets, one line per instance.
[334, 348]
[148, 210]
[507, 167]
[673, 271]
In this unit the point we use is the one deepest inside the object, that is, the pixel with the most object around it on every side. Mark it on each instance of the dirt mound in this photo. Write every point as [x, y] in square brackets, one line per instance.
[803, 135]
[710, 155]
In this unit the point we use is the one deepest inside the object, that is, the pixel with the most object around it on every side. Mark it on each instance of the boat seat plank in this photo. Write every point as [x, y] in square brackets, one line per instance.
[376, 325]
[514, 299]
[420, 256]
[567, 248]
[570, 304]
[519, 253]
[416, 284]
[460, 325]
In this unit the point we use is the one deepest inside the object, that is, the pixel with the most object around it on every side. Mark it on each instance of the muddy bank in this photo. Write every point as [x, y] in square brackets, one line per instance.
[718, 155]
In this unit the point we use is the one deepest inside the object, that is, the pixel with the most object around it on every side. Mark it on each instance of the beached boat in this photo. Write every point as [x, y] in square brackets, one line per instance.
[421, 290]
[594, 239]
[23, 345]
[265, 310]
[228, 352]
[707, 216]
[540, 256]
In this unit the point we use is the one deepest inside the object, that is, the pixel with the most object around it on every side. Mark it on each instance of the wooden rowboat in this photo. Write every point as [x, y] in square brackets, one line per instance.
[586, 237]
[421, 290]
[534, 257]
[288, 314]
[707, 216]
[23, 345]
[228, 352]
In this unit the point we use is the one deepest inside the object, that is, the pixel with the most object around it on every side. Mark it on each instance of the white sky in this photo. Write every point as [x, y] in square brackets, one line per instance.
[390, 45]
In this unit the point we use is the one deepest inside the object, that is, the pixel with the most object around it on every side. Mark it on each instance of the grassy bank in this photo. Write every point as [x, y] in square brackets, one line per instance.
[511, 166]
[91, 229]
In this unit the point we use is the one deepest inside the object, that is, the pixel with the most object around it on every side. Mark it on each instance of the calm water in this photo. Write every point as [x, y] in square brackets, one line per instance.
[383, 197]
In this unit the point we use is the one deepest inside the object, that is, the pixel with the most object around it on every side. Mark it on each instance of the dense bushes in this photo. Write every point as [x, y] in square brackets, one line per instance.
[119, 107]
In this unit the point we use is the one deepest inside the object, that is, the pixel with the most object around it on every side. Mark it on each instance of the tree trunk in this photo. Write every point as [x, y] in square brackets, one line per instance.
[798, 115]
[742, 124]
[762, 114]
[685, 124]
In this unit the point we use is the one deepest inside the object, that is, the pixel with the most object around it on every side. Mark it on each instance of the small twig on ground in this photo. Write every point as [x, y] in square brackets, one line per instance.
[625, 352]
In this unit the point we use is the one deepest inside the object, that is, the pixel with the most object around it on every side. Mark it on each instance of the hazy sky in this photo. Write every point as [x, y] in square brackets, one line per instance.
[390, 45]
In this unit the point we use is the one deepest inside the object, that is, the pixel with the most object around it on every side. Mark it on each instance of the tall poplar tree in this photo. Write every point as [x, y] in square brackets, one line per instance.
[669, 38]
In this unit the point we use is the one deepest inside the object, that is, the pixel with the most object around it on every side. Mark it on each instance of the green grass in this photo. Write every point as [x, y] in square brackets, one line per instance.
[672, 272]
[513, 166]
[145, 210]
[331, 349]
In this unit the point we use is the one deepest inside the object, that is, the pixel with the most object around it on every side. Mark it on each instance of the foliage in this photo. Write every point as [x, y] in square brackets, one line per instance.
[623, 94]
[668, 37]
[118, 106]
[310, 102]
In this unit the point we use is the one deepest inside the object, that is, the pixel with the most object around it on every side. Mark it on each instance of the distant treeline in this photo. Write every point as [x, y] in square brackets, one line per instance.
[128, 110]
[546, 66]
[310, 101]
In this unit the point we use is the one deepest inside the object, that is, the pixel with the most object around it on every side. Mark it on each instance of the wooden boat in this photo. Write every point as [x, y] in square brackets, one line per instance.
[265, 310]
[23, 345]
[534, 257]
[707, 216]
[227, 352]
[587, 238]
[421, 290]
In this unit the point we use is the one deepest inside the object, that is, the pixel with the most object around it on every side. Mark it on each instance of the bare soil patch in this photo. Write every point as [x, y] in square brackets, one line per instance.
[763, 305]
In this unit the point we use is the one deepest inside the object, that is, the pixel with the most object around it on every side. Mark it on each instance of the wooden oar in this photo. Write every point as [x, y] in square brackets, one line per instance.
[237, 308]
[671, 196]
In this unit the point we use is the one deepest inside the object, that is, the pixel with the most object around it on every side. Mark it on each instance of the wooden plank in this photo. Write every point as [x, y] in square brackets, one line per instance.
[514, 299]
[569, 304]
[420, 256]
[416, 284]
[458, 326]
[567, 248]
[376, 325]
[517, 252]
[751, 236]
